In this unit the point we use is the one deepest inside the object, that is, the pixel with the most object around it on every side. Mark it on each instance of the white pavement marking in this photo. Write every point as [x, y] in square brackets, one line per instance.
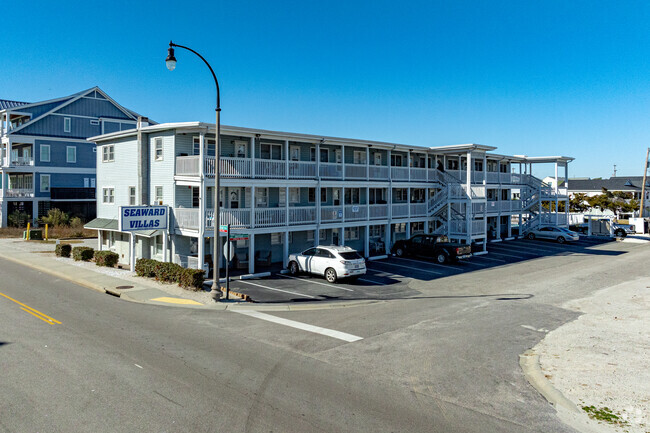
[532, 328]
[407, 267]
[370, 281]
[299, 325]
[505, 255]
[490, 258]
[428, 263]
[318, 282]
[139, 366]
[276, 290]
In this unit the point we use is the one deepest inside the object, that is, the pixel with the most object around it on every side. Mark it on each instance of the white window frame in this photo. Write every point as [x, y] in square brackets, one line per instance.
[92, 182]
[351, 234]
[276, 238]
[108, 195]
[322, 234]
[67, 154]
[271, 146]
[241, 149]
[49, 155]
[108, 153]
[132, 197]
[359, 156]
[158, 243]
[49, 184]
[310, 236]
[67, 124]
[325, 152]
[158, 199]
[158, 146]
[312, 154]
[377, 158]
[261, 197]
[338, 156]
[293, 149]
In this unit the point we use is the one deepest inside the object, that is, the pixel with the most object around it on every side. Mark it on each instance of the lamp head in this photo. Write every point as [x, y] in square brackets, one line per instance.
[170, 61]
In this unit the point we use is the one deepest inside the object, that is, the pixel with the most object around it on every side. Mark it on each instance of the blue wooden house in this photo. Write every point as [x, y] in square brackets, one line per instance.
[46, 161]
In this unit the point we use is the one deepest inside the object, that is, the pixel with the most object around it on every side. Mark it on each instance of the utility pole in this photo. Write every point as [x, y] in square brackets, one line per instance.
[614, 170]
[645, 172]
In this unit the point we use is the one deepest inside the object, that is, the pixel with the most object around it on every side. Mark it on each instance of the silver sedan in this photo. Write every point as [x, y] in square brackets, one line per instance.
[558, 234]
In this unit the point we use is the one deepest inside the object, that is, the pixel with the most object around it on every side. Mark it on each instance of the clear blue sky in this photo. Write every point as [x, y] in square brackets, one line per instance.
[536, 78]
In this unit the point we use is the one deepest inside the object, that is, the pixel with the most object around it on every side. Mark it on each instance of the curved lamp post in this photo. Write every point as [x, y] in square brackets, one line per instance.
[216, 256]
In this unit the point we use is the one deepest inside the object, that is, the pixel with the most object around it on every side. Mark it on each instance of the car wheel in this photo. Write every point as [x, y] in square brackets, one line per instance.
[330, 275]
[620, 233]
[531, 236]
[399, 252]
[561, 240]
[293, 268]
[441, 258]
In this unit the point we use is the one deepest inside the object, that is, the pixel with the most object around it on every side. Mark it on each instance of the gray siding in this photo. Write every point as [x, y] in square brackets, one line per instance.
[120, 174]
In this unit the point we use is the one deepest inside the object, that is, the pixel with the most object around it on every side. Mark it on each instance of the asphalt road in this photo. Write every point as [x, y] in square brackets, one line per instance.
[446, 361]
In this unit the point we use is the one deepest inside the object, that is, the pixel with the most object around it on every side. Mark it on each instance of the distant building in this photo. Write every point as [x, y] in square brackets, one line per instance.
[593, 187]
[46, 161]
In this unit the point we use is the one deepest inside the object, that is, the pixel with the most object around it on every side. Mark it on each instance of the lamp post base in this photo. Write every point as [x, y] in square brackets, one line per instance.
[215, 294]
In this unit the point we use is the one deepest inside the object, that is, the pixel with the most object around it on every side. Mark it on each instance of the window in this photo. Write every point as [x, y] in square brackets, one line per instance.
[45, 153]
[309, 252]
[337, 156]
[312, 154]
[108, 195]
[94, 122]
[396, 160]
[417, 227]
[45, 182]
[351, 233]
[240, 149]
[158, 149]
[294, 153]
[310, 236]
[276, 238]
[67, 124]
[131, 196]
[401, 194]
[71, 154]
[158, 245]
[159, 195]
[377, 158]
[400, 228]
[108, 153]
[312, 195]
[417, 195]
[92, 182]
[376, 231]
[322, 234]
[324, 155]
[376, 196]
[359, 156]
[352, 195]
[478, 165]
[270, 151]
[294, 195]
[324, 253]
[86, 182]
[196, 148]
[323, 195]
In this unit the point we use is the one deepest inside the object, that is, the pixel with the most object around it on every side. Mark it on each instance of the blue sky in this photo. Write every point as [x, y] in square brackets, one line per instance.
[536, 78]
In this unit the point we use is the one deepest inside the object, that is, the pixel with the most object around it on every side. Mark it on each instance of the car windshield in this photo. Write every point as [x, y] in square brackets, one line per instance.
[350, 255]
[564, 229]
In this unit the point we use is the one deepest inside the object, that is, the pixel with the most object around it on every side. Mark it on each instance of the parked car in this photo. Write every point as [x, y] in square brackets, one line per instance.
[558, 234]
[434, 246]
[333, 262]
[622, 230]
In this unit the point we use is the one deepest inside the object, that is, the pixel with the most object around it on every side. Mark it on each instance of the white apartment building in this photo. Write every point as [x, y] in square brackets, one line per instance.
[291, 191]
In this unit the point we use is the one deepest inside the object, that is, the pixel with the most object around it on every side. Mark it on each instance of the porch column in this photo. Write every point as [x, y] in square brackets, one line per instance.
[387, 234]
[165, 245]
[367, 203]
[408, 163]
[366, 245]
[251, 254]
[342, 235]
[8, 153]
[468, 211]
[343, 202]
[408, 230]
[286, 161]
[252, 153]
[316, 237]
[343, 160]
[252, 213]
[408, 198]
[132, 251]
[201, 251]
[286, 205]
[557, 210]
[100, 237]
[367, 163]
[34, 211]
[285, 250]
[509, 226]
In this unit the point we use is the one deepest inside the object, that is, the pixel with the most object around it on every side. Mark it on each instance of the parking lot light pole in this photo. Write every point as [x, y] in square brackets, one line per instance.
[216, 256]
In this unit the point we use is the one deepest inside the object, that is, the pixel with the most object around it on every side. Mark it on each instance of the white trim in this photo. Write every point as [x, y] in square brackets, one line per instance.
[46, 138]
[103, 195]
[46, 169]
[67, 124]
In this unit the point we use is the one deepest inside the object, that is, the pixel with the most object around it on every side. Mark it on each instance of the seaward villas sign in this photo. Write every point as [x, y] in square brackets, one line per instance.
[134, 218]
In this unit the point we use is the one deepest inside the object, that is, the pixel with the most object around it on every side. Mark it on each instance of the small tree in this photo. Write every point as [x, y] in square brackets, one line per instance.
[56, 217]
[17, 219]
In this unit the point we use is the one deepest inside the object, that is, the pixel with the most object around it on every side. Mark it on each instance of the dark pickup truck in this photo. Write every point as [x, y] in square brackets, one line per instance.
[434, 246]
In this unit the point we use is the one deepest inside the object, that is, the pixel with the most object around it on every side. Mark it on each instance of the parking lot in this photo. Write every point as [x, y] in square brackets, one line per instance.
[389, 278]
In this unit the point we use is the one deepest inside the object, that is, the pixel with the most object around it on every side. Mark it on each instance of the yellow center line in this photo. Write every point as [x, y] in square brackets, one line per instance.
[32, 310]
[36, 315]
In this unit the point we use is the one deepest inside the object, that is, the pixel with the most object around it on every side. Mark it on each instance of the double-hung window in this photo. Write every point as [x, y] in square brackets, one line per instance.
[67, 124]
[108, 153]
[45, 153]
[159, 195]
[45, 182]
[108, 195]
[71, 154]
[270, 151]
[131, 196]
[158, 149]
[261, 197]
[294, 195]
[359, 156]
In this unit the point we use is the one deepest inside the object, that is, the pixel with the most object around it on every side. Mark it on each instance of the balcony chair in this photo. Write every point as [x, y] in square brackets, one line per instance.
[263, 258]
[241, 260]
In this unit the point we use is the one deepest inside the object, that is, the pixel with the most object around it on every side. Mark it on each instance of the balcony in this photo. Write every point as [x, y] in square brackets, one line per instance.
[378, 172]
[17, 193]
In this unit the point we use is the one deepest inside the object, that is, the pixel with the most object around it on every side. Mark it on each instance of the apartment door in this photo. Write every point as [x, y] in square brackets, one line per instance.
[234, 196]
[336, 237]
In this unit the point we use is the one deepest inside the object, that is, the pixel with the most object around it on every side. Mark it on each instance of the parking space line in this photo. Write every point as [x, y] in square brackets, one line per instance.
[276, 290]
[531, 247]
[372, 282]
[489, 258]
[513, 256]
[317, 282]
[299, 325]
[428, 263]
[406, 267]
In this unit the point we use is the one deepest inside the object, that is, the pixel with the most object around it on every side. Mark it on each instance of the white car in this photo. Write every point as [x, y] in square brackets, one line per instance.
[559, 234]
[332, 262]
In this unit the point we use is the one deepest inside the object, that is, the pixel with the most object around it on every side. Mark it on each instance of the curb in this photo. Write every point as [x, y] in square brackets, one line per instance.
[529, 363]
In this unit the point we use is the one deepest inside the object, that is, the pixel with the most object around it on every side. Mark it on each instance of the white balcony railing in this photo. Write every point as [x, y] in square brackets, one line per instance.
[234, 167]
[188, 166]
[331, 213]
[478, 227]
[267, 168]
[187, 218]
[399, 173]
[400, 210]
[237, 218]
[355, 171]
[270, 217]
[302, 169]
[302, 215]
[22, 161]
[418, 209]
[418, 174]
[378, 172]
[356, 212]
[378, 211]
[331, 170]
[19, 192]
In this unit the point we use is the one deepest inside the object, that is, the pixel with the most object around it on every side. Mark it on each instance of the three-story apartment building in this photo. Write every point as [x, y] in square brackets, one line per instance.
[46, 160]
[291, 191]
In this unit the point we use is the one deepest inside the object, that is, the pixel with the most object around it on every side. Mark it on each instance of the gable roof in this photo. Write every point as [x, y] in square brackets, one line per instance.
[618, 183]
[67, 100]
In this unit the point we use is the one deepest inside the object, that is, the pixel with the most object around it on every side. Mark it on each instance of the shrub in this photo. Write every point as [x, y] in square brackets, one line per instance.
[145, 268]
[83, 253]
[63, 250]
[18, 219]
[192, 279]
[168, 272]
[106, 258]
[76, 223]
[56, 217]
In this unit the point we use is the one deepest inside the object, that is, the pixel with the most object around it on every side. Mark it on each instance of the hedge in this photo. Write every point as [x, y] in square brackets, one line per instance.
[106, 258]
[171, 273]
[63, 250]
[83, 253]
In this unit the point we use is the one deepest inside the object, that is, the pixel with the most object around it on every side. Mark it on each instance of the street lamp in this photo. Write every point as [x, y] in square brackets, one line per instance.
[170, 61]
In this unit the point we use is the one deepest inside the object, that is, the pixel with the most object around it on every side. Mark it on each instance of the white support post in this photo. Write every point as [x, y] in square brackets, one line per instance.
[8, 153]
[343, 160]
[408, 200]
[343, 203]
[251, 254]
[132, 251]
[367, 163]
[468, 210]
[408, 163]
[408, 230]
[252, 157]
[201, 250]
[316, 237]
[34, 210]
[366, 245]
[286, 161]
[387, 237]
[100, 238]
[285, 250]
[253, 200]
[368, 203]
[342, 235]
[286, 206]
[165, 246]
[557, 181]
